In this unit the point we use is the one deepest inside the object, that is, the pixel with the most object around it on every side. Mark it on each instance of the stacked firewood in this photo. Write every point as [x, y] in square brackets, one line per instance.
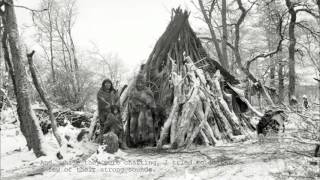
[200, 109]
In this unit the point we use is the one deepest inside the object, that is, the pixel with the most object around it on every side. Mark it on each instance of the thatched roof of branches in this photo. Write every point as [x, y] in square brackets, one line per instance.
[193, 93]
[178, 40]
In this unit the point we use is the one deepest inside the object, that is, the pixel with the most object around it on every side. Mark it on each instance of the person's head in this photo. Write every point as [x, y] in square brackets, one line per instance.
[140, 83]
[107, 85]
[304, 97]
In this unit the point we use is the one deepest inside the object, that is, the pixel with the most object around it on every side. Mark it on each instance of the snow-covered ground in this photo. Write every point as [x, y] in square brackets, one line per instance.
[275, 159]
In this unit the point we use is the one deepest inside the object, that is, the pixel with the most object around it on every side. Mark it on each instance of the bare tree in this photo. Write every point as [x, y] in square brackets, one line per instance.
[271, 12]
[294, 8]
[55, 29]
[29, 124]
[224, 34]
[207, 13]
[207, 18]
[292, 44]
[109, 65]
[69, 22]
[246, 69]
[44, 23]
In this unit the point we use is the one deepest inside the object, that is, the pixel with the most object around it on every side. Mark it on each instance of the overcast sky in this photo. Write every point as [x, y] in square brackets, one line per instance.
[127, 27]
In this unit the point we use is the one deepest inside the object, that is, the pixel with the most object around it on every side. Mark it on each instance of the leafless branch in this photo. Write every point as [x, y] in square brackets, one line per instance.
[309, 11]
[219, 40]
[315, 34]
[23, 7]
[265, 55]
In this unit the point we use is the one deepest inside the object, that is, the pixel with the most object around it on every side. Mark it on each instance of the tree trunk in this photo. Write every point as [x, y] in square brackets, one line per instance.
[272, 64]
[7, 56]
[76, 65]
[213, 35]
[224, 34]
[29, 124]
[244, 69]
[271, 43]
[51, 43]
[291, 49]
[280, 78]
[44, 99]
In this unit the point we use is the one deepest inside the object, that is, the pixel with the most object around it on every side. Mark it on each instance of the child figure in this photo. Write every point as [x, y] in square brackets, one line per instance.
[114, 124]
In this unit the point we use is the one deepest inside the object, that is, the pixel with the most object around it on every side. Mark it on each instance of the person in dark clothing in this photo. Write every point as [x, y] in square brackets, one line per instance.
[108, 103]
[305, 102]
[106, 97]
[114, 124]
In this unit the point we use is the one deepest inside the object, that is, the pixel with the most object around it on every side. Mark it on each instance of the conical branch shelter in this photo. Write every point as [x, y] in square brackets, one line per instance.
[188, 97]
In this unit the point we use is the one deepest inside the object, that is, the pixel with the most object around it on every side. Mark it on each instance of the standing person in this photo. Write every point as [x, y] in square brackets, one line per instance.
[106, 97]
[305, 102]
[141, 105]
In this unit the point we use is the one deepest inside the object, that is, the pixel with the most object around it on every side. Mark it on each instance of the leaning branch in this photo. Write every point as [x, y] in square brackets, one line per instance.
[219, 40]
[43, 98]
[246, 70]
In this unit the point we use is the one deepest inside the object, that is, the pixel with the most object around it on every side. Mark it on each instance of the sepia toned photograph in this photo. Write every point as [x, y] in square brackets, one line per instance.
[159, 89]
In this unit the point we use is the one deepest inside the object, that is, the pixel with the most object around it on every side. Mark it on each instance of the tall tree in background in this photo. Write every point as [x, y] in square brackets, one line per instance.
[270, 13]
[44, 23]
[236, 49]
[215, 40]
[51, 40]
[224, 34]
[55, 36]
[29, 124]
[246, 68]
[291, 49]
[270, 39]
[281, 76]
[294, 8]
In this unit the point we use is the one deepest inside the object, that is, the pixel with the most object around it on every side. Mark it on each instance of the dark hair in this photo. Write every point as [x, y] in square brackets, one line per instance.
[104, 83]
